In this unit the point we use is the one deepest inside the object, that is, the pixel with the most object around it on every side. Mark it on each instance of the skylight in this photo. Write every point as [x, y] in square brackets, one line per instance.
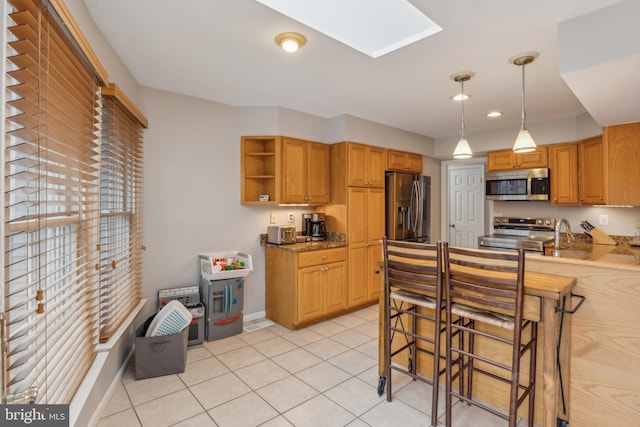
[373, 27]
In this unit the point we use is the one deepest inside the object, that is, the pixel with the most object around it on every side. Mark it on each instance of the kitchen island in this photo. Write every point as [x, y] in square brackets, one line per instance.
[605, 337]
[600, 350]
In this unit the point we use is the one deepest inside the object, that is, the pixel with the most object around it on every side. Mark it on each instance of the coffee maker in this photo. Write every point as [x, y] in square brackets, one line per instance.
[313, 227]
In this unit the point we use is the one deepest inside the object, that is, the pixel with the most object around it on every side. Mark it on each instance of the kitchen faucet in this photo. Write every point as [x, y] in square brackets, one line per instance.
[567, 227]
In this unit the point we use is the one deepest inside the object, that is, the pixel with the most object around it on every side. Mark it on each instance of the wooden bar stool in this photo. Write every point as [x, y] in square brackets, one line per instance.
[413, 278]
[488, 287]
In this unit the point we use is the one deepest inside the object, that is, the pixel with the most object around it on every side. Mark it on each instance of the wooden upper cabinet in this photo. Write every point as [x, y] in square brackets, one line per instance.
[286, 170]
[365, 165]
[591, 168]
[563, 166]
[577, 172]
[318, 184]
[305, 172]
[260, 166]
[621, 145]
[507, 159]
[404, 162]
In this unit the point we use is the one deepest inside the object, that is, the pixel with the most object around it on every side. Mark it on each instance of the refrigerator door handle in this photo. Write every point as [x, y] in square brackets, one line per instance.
[416, 207]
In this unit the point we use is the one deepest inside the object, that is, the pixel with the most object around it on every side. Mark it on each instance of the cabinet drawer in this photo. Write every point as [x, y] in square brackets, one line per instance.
[324, 256]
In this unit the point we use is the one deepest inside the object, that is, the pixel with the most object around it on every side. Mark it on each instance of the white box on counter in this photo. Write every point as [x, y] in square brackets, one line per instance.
[210, 271]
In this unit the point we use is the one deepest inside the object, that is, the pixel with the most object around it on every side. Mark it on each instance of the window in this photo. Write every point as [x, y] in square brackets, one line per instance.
[120, 211]
[56, 239]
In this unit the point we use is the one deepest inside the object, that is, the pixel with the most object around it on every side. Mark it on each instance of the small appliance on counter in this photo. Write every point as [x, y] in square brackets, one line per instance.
[313, 227]
[281, 234]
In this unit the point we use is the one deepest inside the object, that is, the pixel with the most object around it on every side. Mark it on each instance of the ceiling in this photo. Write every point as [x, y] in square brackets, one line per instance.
[224, 51]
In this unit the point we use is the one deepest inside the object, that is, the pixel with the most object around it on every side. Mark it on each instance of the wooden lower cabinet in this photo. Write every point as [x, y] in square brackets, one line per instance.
[302, 287]
[365, 222]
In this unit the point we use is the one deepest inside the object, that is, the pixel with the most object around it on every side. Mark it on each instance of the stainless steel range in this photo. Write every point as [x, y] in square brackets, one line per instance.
[529, 234]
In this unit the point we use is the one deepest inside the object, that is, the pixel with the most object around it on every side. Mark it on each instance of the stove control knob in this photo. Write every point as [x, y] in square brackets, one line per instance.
[539, 222]
[504, 220]
[547, 222]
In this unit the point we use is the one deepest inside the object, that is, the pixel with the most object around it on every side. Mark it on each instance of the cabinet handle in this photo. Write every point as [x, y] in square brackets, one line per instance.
[324, 257]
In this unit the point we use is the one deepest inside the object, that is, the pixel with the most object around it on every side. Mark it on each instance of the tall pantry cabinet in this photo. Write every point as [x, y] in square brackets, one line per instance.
[357, 210]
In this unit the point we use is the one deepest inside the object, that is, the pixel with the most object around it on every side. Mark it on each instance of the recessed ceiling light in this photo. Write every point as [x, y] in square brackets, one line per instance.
[374, 30]
[493, 114]
[290, 42]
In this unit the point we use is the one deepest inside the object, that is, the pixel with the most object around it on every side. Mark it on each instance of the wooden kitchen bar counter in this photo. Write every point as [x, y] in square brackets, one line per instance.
[544, 293]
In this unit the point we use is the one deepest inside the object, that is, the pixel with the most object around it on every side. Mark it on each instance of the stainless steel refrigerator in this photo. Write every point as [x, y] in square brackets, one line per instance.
[408, 206]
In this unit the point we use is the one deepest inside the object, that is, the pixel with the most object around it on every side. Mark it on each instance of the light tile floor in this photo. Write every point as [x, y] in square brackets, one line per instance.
[322, 375]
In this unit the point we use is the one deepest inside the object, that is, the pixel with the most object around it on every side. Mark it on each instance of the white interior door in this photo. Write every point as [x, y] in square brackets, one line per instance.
[466, 205]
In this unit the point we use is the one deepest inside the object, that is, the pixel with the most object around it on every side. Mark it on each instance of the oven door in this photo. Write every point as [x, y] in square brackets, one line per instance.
[503, 242]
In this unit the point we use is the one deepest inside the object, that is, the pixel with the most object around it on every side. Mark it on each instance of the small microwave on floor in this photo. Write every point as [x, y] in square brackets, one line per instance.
[189, 296]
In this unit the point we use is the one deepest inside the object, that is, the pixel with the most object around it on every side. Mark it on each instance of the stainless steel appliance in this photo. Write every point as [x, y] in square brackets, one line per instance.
[524, 184]
[408, 206]
[529, 234]
[313, 227]
[189, 296]
[223, 300]
[281, 234]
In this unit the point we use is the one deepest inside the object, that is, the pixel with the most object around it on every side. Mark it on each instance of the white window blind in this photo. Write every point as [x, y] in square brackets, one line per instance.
[120, 212]
[51, 207]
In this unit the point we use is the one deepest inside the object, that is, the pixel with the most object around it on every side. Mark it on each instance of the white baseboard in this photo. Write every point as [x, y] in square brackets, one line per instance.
[254, 316]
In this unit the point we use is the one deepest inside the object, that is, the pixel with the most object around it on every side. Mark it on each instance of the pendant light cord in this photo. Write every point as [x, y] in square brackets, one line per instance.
[462, 100]
[523, 111]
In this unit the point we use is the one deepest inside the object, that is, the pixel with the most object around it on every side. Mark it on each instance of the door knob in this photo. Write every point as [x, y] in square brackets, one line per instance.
[452, 225]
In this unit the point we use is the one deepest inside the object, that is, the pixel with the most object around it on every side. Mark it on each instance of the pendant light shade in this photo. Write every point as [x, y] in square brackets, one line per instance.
[524, 142]
[463, 150]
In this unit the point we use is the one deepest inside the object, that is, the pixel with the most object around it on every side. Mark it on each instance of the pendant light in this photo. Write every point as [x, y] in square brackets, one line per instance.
[463, 150]
[524, 143]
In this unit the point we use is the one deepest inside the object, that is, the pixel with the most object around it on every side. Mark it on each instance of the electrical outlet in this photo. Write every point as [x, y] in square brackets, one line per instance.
[272, 217]
[603, 220]
[291, 218]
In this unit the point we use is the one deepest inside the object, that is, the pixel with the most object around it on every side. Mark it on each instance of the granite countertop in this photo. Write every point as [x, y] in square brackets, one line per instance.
[584, 249]
[334, 240]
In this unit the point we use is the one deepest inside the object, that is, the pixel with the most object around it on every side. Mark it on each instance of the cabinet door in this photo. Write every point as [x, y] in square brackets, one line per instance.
[374, 210]
[294, 167]
[592, 171]
[356, 165]
[376, 166]
[335, 287]
[318, 173]
[563, 162]
[501, 160]
[534, 159]
[310, 293]
[397, 161]
[414, 163]
[374, 256]
[358, 292]
[622, 153]
[357, 244]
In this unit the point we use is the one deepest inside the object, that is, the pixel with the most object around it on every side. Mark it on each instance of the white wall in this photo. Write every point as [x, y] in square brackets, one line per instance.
[192, 182]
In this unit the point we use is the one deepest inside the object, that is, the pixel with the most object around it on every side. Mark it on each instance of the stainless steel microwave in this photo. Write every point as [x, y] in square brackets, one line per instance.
[523, 184]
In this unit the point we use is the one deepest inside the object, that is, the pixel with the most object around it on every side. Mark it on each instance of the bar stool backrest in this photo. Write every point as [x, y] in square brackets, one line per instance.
[414, 266]
[491, 281]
